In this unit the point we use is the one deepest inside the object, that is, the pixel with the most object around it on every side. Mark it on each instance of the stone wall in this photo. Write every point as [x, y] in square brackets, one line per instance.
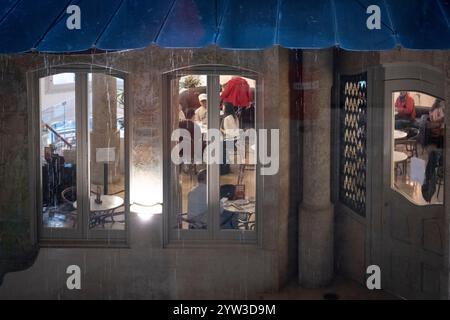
[144, 270]
[352, 235]
[16, 246]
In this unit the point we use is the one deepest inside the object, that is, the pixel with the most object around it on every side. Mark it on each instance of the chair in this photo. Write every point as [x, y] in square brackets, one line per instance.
[410, 142]
[193, 224]
[401, 167]
[246, 223]
[439, 179]
[69, 196]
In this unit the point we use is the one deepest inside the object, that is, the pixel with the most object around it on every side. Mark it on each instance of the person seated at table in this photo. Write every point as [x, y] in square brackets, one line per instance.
[198, 206]
[201, 114]
[437, 120]
[197, 202]
[406, 111]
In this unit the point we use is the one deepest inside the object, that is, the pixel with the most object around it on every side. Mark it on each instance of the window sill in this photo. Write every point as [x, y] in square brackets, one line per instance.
[211, 244]
[50, 243]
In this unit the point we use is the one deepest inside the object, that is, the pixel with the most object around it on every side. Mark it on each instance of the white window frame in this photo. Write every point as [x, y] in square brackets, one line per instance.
[213, 235]
[81, 236]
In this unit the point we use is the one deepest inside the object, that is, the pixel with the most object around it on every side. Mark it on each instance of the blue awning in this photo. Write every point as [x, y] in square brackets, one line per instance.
[40, 25]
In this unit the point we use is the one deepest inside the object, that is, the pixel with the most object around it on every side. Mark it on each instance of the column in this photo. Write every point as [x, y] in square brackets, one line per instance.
[316, 220]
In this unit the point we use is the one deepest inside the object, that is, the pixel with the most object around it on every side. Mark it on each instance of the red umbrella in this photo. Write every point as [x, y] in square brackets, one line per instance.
[237, 92]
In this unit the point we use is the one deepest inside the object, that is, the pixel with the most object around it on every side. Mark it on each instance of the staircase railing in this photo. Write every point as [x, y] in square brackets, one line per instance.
[59, 135]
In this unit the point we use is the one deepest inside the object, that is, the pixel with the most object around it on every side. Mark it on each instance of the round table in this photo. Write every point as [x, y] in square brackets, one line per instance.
[100, 211]
[243, 210]
[238, 206]
[400, 156]
[398, 134]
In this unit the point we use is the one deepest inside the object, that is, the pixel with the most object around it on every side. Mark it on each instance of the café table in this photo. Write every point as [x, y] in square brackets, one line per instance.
[239, 206]
[245, 209]
[100, 211]
[400, 156]
[398, 134]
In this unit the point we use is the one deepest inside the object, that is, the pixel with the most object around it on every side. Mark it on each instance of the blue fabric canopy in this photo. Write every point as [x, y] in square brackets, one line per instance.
[40, 25]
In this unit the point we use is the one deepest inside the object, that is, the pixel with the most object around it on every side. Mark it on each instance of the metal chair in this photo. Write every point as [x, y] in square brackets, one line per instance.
[192, 224]
[439, 179]
[69, 196]
[410, 142]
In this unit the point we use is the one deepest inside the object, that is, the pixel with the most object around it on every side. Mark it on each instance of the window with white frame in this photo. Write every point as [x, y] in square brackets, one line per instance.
[211, 178]
[82, 166]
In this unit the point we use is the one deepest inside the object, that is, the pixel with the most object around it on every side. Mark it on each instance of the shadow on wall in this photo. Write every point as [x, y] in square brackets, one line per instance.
[17, 262]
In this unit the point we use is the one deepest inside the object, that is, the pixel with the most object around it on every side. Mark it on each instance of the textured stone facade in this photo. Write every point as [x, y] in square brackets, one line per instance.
[354, 242]
[316, 219]
[145, 269]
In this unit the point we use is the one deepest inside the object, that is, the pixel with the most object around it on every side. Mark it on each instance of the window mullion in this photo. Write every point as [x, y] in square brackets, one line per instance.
[213, 123]
[83, 159]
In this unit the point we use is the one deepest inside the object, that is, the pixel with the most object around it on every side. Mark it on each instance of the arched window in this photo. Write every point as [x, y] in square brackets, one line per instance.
[211, 181]
[81, 165]
[418, 146]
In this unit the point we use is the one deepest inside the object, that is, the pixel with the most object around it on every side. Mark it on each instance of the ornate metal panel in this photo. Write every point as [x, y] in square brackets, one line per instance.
[353, 134]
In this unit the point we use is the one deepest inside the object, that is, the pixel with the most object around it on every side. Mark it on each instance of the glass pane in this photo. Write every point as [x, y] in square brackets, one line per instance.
[63, 78]
[238, 166]
[418, 141]
[106, 135]
[58, 154]
[190, 117]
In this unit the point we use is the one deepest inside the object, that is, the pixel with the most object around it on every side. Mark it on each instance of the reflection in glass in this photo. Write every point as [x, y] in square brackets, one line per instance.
[418, 142]
[106, 134]
[58, 154]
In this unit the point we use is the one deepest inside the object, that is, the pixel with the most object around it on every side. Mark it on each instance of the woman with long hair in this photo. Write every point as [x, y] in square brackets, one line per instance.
[230, 130]
[230, 123]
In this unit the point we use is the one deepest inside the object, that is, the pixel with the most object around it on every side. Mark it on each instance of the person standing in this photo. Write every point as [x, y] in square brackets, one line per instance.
[230, 130]
[195, 135]
[181, 115]
[201, 113]
[437, 122]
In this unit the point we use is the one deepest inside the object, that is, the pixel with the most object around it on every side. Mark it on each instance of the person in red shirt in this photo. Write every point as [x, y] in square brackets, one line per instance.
[405, 107]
